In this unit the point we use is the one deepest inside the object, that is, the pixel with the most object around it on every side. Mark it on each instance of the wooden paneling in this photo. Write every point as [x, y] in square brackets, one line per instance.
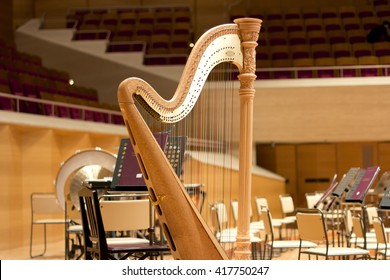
[356, 154]
[384, 156]
[31, 158]
[316, 165]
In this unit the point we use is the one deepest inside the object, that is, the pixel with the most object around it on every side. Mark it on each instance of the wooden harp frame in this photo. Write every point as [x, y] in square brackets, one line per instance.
[188, 235]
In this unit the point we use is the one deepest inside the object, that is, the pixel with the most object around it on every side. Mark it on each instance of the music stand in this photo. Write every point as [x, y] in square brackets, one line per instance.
[362, 184]
[127, 173]
[385, 201]
[346, 182]
[328, 192]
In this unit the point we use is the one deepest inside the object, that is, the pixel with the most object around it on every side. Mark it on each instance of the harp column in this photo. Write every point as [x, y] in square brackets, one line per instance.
[249, 32]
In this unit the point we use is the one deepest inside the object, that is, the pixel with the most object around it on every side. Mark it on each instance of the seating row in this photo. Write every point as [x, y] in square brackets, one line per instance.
[325, 67]
[325, 12]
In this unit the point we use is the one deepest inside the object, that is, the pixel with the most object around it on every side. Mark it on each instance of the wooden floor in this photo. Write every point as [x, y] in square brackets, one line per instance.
[56, 251]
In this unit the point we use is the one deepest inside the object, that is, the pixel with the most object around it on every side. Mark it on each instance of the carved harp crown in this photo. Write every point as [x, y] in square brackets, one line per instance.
[188, 235]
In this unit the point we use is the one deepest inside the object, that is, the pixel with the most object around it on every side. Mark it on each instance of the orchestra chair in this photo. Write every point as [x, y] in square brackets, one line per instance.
[383, 246]
[354, 234]
[116, 215]
[312, 227]
[45, 210]
[263, 202]
[288, 211]
[255, 226]
[363, 239]
[228, 235]
[312, 198]
[270, 241]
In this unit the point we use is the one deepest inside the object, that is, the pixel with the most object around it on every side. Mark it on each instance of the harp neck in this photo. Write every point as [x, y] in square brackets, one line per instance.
[218, 45]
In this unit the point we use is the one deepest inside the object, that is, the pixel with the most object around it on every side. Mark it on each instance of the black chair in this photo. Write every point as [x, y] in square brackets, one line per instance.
[96, 243]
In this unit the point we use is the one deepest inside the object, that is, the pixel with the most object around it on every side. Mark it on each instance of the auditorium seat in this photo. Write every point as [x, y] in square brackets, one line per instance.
[274, 25]
[297, 38]
[292, 13]
[146, 17]
[277, 38]
[362, 49]
[369, 23]
[273, 15]
[294, 24]
[321, 50]
[309, 12]
[347, 61]
[90, 21]
[347, 12]
[180, 28]
[382, 11]
[337, 36]
[109, 19]
[356, 36]
[163, 16]
[369, 60]
[129, 17]
[7, 104]
[381, 48]
[341, 49]
[285, 71]
[300, 51]
[331, 24]
[385, 60]
[313, 24]
[182, 15]
[316, 37]
[329, 12]
[302, 63]
[280, 52]
[364, 11]
[162, 28]
[329, 62]
[351, 23]
[261, 64]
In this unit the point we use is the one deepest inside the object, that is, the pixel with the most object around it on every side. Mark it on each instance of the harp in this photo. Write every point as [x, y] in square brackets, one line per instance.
[188, 235]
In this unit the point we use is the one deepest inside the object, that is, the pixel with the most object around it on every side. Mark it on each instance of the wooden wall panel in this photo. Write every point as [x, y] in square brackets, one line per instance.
[30, 161]
[11, 188]
[287, 166]
[315, 162]
[384, 156]
[356, 154]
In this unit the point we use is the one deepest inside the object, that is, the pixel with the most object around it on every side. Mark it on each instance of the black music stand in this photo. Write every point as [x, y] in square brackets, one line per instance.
[385, 201]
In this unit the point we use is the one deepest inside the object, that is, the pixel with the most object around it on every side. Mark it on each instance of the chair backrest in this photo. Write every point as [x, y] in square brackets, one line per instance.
[379, 229]
[235, 210]
[95, 242]
[311, 225]
[287, 204]
[221, 212]
[372, 212]
[357, 227]
[260, 202]
[45, 203]
[311, 199]
[267, 220]
[122, 215]
[348, 221]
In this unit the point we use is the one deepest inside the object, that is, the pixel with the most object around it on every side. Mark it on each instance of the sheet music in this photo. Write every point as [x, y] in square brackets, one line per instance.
[363, 182]
[127, 174]
[346, 181]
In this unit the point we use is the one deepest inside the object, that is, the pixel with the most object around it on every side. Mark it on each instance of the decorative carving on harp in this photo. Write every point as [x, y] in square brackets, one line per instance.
[187, 232]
